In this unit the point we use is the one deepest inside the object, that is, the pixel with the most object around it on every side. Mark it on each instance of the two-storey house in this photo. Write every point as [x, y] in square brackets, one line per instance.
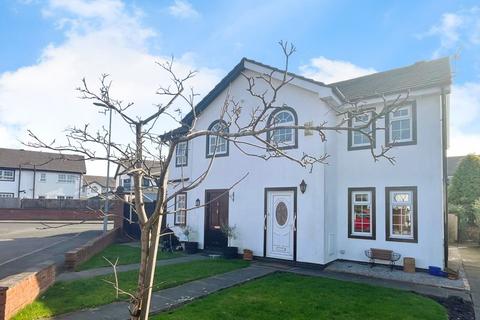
[339, 209]
[37, 175]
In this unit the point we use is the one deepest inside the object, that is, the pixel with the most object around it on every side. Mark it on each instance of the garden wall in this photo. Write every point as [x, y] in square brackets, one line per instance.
[16, 291]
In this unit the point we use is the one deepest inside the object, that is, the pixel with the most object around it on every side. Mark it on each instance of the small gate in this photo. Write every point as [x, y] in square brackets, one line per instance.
[130, 222]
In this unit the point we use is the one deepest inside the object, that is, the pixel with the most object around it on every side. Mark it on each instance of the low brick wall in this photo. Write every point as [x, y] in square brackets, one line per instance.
[75, 257]
[18, 290]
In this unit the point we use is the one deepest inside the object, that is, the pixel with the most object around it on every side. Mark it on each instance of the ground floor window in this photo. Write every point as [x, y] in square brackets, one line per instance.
[180, 209]
[361, 213]
[6, 195]
[401, 213]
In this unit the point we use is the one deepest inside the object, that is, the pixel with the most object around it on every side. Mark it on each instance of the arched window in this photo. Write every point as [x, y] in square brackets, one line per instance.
[216, 145]
[283, 138]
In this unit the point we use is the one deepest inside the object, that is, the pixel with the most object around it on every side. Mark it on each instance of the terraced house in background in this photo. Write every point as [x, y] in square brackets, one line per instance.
[40, 175]
[339, 209]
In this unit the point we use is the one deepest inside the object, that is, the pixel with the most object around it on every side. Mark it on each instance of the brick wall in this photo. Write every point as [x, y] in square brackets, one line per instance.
[60, 214]
[75, 257]
[18, 290]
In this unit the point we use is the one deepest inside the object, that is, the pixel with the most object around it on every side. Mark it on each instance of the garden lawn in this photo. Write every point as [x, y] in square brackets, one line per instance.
[126, 255]
[69, 296]
[291, 296]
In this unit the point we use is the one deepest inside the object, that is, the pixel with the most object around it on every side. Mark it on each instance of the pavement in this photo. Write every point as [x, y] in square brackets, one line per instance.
[24, 244]
[470, 255]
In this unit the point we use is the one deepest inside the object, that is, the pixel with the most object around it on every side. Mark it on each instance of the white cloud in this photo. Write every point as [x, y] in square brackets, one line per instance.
[182, 9]
[101, 37]
[328, 71]
[455, 30]
[464, 115]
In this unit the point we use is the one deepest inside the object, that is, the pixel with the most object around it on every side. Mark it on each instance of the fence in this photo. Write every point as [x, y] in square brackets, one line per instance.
[69, 204]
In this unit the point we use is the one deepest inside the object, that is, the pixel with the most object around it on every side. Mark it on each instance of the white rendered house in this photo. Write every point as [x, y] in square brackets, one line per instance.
[94, 186]
[37, 175]
[344, 207]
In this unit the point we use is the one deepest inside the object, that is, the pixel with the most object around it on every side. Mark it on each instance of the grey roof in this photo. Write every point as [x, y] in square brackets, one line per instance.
[26, 159]
[154, 166]
[452, 164]
[101, 180]
[423, 74]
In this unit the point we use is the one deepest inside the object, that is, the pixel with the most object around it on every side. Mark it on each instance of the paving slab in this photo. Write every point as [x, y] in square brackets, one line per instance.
[471, 263]
[164, 300]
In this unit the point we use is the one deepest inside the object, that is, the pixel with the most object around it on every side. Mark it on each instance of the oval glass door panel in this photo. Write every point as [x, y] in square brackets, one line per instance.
[281, 213]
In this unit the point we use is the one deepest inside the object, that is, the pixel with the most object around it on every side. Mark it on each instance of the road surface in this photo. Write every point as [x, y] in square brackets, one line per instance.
[24, 244]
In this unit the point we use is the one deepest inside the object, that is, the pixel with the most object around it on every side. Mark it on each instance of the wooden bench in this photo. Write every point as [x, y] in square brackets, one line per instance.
[382, 254]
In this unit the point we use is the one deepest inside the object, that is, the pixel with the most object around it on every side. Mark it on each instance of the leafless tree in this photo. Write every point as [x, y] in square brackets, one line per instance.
[249, 130]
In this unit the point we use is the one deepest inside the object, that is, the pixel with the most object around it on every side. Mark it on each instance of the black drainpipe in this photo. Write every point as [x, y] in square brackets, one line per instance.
[445, 188]
[19, 177]
[34, 175]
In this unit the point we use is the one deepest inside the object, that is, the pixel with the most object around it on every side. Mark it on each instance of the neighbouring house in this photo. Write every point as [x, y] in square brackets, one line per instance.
[37, 175]
[124, 179]
[344, 207]
[94, 186]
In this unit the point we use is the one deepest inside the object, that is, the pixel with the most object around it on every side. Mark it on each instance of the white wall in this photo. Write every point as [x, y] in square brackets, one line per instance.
[416, 165]
[50, 189]
[322, 213]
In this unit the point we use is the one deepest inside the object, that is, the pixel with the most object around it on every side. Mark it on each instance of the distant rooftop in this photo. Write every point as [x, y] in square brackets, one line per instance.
[48, 161]
[101, 180]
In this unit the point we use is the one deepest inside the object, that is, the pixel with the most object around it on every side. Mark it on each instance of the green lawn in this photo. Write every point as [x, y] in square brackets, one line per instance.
[126, 255]
[290, 296]
[64, 297]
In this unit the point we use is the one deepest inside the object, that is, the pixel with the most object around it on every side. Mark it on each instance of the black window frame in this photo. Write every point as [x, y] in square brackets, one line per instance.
[207, 149]
[295, 119]
[373, 215]
[175, 215]
[350, 145]
[414, 190]
[8, 180]
[186, 155]
[413, 141]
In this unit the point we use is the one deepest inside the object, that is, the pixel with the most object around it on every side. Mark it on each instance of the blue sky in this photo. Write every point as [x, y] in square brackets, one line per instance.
[334, 39]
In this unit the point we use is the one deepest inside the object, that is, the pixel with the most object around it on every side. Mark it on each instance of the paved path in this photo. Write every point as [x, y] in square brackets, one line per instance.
[173, 297]
[471, 264]
[70, 276]
[24, 244]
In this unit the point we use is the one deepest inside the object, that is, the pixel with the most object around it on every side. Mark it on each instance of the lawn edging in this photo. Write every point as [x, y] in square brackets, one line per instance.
[19, 290]
[75, 257]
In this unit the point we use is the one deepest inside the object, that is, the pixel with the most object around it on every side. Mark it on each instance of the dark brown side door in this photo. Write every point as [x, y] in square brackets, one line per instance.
[216, 216]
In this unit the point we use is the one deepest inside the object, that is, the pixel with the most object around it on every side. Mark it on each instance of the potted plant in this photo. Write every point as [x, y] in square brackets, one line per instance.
[247, 254]
[189, 247]
[230, 252]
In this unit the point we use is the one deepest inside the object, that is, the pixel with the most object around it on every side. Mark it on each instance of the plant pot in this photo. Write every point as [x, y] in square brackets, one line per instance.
[247, 255]
[190, 247]
[230, 252]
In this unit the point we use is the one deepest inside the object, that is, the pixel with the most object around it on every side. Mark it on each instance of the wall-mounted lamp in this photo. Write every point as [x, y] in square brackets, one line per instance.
[303, 186]
[197, 202]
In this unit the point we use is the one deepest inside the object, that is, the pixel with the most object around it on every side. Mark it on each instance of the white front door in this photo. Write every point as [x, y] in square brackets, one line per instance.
[280, 224]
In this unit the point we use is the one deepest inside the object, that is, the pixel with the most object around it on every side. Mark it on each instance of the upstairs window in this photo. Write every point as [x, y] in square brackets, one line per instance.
[283, 138]
[7, 175]
[145, 183]
[361, 213]
[360, 139]
[401, 125]
[180, 209]
[181, 154]
[216, 145]
[401, 209]
[43, 177]
[127, 184]
[66, 178]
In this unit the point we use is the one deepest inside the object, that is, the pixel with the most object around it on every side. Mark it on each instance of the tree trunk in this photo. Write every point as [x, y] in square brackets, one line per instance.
[136, 304]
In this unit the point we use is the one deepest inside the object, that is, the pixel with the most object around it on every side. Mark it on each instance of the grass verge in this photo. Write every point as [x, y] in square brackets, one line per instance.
[126, 255]
[291, 296]
[65, 297]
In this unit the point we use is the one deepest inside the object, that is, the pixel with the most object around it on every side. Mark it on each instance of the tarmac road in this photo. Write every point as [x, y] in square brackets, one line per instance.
[24, 244]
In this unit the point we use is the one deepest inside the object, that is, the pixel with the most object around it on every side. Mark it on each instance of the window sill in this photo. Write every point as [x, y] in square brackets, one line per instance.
[368, 237]
[411, 240]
